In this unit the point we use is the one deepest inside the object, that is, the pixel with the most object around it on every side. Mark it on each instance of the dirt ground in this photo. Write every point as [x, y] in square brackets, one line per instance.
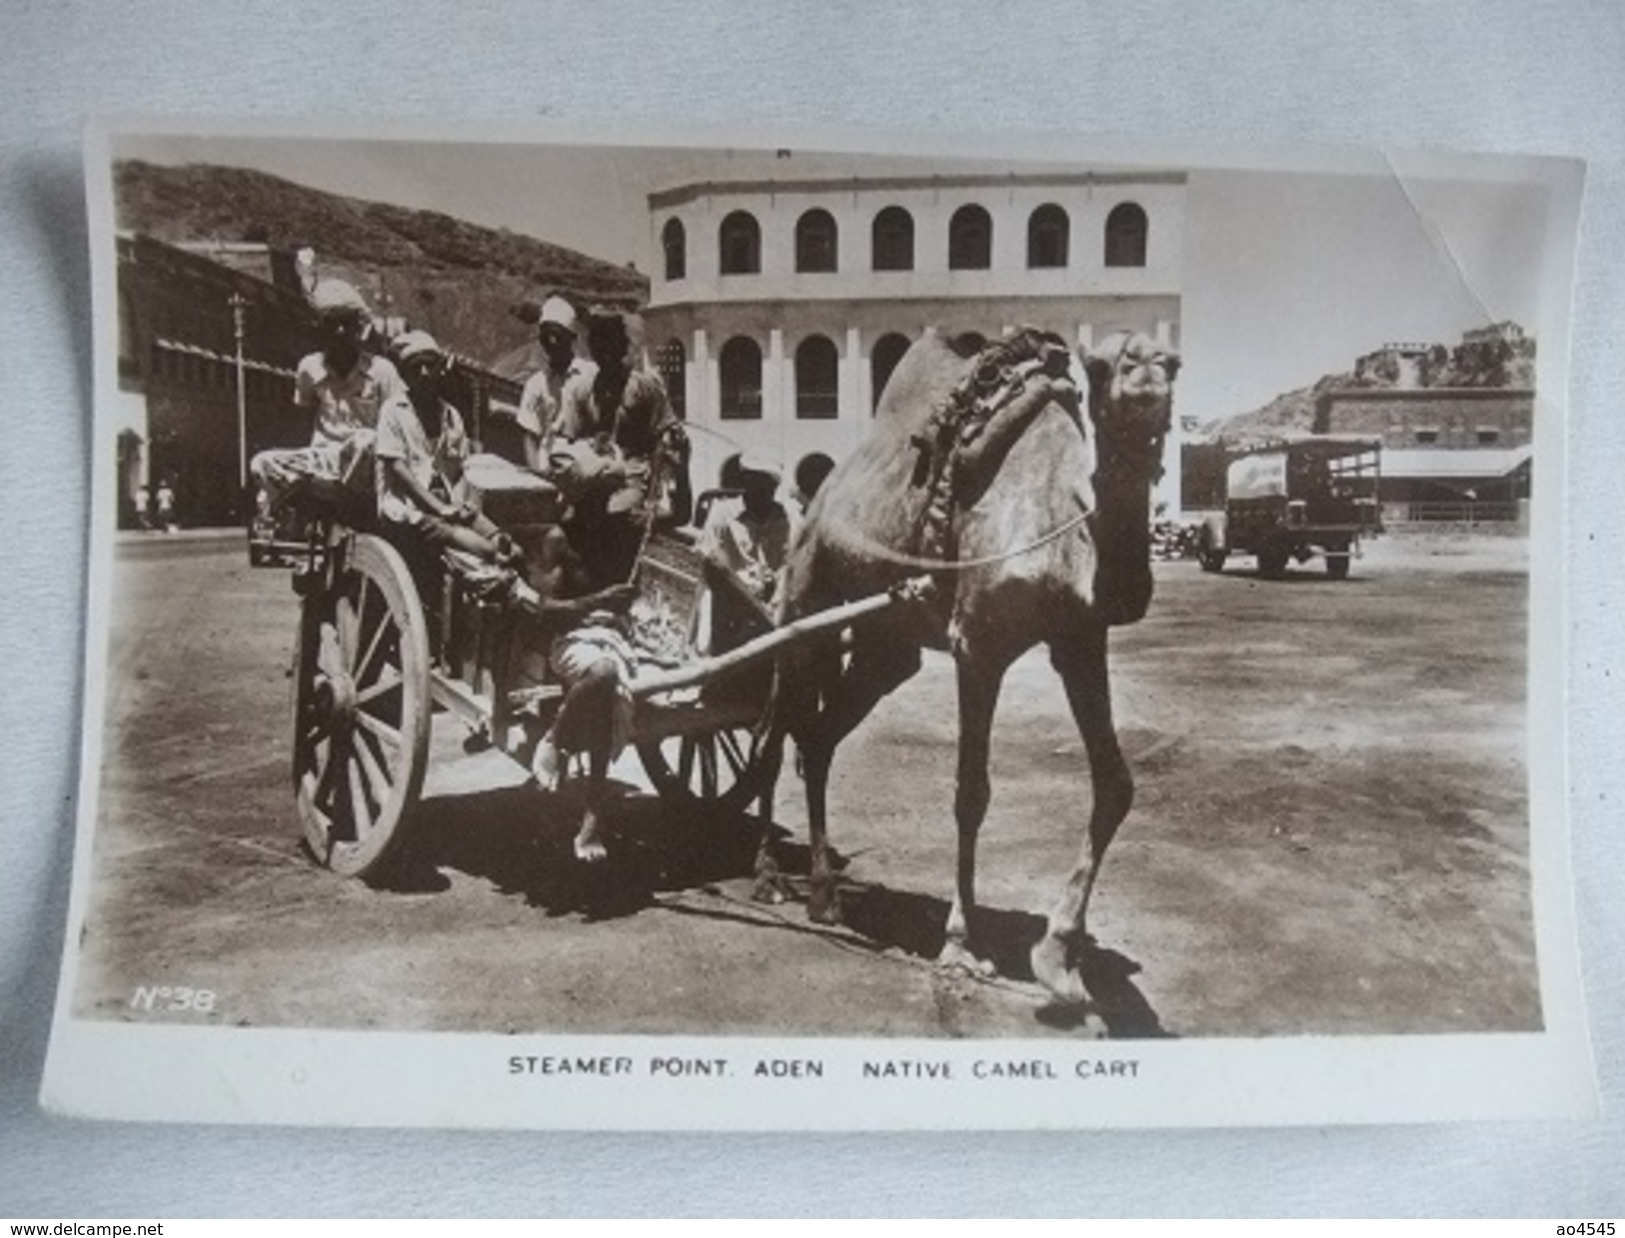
[1330, 837]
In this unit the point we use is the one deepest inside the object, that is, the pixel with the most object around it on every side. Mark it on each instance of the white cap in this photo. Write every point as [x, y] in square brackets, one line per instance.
[416, 344]
[559, 312]
[337, 295]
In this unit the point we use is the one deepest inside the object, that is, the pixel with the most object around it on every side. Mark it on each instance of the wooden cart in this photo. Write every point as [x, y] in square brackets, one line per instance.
[384, 643]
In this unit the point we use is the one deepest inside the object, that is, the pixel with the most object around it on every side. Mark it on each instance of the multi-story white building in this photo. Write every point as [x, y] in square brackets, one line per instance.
[778, 309]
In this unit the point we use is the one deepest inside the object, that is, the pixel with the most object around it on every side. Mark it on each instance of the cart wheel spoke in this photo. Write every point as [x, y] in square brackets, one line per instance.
[383, 629]
[728, 743]
[374, 776]
[708, 767]
[376, 726]
[388, 680]
[685, 760]
[360, 810]
[357, 614]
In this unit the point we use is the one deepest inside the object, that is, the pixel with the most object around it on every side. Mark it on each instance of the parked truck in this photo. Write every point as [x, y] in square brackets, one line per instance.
[1295, 499]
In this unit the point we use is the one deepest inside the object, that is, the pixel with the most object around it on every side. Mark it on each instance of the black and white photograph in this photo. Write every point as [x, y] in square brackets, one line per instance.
[872, 632]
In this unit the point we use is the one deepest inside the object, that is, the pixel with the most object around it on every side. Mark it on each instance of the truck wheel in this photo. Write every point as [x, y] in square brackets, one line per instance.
[1272, 562]
[1211, 557]
[1337, 565]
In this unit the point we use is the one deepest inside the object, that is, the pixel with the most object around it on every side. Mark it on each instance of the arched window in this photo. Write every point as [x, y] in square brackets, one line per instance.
[1125, 236]
[740, 369]
[893, 237]
[815, 241]
[673, 241]
[888, 351]
[670, 359]
[1048, 232]
[740, 242]
[970, 239]
[817, 379]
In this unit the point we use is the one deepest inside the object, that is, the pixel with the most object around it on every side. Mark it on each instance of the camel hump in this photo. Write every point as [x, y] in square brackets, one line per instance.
[938, 365]
[924, 378]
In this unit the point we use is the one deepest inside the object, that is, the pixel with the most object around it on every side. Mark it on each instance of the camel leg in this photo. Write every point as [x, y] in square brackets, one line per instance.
[1081, 663]
[979, 683]
[874, 672]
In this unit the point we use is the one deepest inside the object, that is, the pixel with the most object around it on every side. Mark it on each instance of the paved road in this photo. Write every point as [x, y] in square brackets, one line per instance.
[1330, 837]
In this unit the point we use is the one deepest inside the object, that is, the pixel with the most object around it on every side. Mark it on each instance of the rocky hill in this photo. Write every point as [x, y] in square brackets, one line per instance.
[1472, 363]
[456, 279]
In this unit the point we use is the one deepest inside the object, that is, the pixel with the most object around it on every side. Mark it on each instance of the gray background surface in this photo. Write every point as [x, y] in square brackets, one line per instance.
[1495, 76]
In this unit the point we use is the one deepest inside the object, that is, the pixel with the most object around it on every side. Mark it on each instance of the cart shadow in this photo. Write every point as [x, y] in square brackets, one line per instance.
[520, 839]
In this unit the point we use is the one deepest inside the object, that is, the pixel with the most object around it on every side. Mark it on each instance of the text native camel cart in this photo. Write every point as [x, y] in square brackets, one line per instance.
[381, 647]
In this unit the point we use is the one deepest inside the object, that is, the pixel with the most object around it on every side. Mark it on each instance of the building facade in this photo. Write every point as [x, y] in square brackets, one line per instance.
[188, 412]
[1443, 447]
[778, 309]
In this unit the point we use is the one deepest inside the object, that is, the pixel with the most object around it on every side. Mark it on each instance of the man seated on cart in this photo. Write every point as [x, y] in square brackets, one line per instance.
[421, 448]
[541, 400]
[343, 385]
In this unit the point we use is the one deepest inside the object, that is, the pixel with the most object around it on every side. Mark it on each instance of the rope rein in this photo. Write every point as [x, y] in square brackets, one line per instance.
[859, 541]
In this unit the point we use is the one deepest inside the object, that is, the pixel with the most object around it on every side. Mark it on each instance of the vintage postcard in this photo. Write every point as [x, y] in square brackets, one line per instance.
[658, 630]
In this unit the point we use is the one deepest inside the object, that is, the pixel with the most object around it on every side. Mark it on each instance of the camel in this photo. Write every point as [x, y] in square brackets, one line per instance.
[1041, 508]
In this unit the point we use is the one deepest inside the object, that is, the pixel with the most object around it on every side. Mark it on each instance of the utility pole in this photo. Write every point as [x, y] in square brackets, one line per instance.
[238, 305]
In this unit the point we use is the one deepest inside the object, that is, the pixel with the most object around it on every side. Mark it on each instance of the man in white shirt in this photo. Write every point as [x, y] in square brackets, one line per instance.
[343, 386]
[540, 402]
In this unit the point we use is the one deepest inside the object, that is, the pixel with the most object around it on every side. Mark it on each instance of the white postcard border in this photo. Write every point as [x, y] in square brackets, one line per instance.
[188, 1073]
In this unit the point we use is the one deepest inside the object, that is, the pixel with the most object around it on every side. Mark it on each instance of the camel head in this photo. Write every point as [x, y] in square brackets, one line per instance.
[1131, 384]
[1131, 380]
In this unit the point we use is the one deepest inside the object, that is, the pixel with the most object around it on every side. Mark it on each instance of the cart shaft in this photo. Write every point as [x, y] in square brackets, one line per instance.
[770, 642]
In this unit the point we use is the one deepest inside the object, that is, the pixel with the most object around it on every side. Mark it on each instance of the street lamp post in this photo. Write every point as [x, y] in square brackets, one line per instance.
[238, 305]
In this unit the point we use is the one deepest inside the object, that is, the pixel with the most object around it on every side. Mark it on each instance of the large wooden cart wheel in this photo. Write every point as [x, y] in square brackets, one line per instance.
[361, 708]
[720, 766]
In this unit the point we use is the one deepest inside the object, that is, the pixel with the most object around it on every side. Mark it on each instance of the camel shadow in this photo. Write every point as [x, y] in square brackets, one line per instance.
[915, 923]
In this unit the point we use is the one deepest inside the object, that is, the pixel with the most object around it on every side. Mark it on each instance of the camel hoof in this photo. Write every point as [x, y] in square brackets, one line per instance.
[1050, 967]
[824, 905]
[957, 956]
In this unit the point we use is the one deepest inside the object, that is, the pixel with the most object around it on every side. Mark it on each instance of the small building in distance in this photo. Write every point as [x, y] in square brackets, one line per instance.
[1443, 447]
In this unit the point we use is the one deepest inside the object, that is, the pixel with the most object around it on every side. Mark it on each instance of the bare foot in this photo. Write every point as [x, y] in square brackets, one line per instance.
[1050, 966]
[589, 847]
[770, 887]
[957, 956]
